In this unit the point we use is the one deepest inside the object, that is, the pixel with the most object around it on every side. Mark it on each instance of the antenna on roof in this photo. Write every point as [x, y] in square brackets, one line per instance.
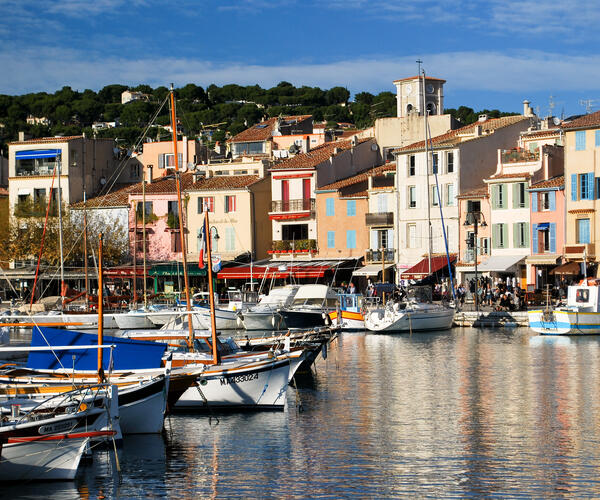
[419, 62]
[551, 105]
[588, 104]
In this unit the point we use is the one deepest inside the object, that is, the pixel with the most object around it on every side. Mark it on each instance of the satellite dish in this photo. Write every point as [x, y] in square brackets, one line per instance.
[102, 180]
[374, 147]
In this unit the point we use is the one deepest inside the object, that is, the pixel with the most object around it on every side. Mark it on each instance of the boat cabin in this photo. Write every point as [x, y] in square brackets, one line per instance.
[584, 298]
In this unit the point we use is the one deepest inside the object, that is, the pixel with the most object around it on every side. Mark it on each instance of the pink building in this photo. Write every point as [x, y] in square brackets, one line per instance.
[547, 230]
[158, 159]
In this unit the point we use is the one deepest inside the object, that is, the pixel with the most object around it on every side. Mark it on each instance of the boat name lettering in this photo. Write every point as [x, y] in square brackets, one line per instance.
[236, 379]
[67, 425]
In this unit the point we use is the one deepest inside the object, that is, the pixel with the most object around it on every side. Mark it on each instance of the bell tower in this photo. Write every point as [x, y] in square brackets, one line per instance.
[413, 99]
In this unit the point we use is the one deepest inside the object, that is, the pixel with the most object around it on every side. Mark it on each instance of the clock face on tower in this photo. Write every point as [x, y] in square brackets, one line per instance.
[429, 88]
[408, 89]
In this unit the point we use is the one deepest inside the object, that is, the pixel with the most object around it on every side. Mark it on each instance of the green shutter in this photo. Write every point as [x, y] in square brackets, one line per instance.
[526, 233]
[494, 196]
[516, 235]
[515, 195]
[504, 235]
[526, 195]
[494, 235]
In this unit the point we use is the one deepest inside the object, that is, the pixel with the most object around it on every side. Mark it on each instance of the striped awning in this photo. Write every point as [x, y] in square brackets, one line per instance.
[37, 153]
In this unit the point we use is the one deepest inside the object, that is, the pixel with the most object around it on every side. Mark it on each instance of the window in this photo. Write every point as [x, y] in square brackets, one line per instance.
[330, 239]
[450, 199]
[583, 230]
[173, 217]
[230, 204]
[412, 196]
[383, 238]
[351, 239]
[498, 196]
[351, 208]
[520, 195]
[168, 160]
[411, 236]
[412, 165]
[175, 242]
[499, 235]
[294, 232]
[434, 163]
[582, 295]
[206, 203]
[484, 245]
[597, 138]
[580, 140]
[144, 210]
[329, 207]
[229, 239]
[586, 186]
[39, 196]
[521, 234]
[134, 170]
[434, 196]
[449, 162]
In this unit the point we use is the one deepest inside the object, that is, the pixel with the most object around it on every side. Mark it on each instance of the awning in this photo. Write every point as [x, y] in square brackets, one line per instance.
[500, 263]
[176, 269]
[421, 270]
[543, 225]
[127, 271]
[282, 270]
[37, 153]
[572, 268]
[542, 260]
[24, 191]
[370, 270]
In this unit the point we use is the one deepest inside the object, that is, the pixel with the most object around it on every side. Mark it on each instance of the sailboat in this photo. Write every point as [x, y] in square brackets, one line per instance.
[418, 313]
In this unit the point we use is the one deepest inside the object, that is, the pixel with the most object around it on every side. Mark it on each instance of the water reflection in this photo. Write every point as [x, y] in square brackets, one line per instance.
[461, 413]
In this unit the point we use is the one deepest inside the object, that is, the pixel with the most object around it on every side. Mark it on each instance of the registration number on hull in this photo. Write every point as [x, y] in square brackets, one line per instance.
[237, 379]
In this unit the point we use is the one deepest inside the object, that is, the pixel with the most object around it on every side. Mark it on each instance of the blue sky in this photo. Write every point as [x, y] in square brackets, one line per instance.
[493, 54]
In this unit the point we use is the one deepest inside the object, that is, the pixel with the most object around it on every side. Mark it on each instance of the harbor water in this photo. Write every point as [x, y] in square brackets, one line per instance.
[463, 413]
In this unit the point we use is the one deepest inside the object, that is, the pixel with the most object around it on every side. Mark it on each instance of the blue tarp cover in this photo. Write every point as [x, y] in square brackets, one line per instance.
[127, 355]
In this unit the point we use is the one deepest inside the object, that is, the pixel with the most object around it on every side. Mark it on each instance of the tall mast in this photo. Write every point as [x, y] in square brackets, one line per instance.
[424, 108]
[85, 255]
[60, 239]
[211, 294]
[100, 311]
[134, 301]
[181, 227]
[144, 233]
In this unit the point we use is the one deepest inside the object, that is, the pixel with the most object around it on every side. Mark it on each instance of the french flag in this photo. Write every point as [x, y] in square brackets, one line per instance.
[202, 251]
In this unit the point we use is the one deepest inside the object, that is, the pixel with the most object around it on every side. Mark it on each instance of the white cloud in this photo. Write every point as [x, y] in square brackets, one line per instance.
[522, 72]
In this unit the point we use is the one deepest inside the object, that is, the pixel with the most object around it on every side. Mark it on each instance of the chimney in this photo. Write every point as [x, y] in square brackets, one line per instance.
[150, 174]
[306, 144]
[483, 118]
[527, 111]
[21, 136]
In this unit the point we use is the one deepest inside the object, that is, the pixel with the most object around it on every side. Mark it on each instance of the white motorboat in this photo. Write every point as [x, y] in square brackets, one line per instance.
[417, 313]
[310, 307]
[581, 315]
[265, 315]
[130, 320]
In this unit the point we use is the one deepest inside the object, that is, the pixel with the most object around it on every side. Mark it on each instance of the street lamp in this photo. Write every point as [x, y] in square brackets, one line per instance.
[475, 219]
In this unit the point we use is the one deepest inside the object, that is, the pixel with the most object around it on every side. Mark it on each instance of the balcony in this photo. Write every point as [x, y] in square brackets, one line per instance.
[303, 205]
[519, 155]
[577, 251]
[27, 168]
[293, 246]
[373, 256]
[380, 219]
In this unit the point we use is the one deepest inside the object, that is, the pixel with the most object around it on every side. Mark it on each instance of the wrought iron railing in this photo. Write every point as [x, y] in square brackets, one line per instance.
[302, 205]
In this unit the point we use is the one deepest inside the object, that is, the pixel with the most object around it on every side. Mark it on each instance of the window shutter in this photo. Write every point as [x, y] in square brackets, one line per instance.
[200, 204]
[390, 238]
[329, 210]
[597, 135]
[534, 239]
[515, 195]
[525, 234]
[330, 239]
[590, 186]
[373, 240]
[504, 229]
[552, 237]
[552, 198]
[525, 195]
[516, 235]
[161, 161]
[573, 187]
[495, 236]
[534, 201]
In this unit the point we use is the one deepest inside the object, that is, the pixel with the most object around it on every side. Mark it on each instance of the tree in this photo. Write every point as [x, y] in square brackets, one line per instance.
[337, 95]
[111, 93]
[191, 92]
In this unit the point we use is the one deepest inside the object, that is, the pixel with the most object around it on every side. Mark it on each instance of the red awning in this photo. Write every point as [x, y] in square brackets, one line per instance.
[282, 270]
[421, 270]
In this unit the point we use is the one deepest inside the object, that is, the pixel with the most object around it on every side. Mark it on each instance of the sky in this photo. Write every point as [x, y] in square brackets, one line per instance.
[493, 54]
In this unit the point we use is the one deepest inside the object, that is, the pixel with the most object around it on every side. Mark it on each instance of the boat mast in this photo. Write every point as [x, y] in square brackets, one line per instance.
[211, 294]
[100, 311]
[60, 239]
[134, 298]
[423, 107]
[181, 227]
[85, 255]
[144, 234]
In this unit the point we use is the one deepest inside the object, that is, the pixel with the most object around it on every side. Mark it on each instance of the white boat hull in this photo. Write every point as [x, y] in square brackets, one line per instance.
[389, 320]
[261, 386]
[132, 321]
[42, 460]
[564, 322]
[267, 320]
[146, 414]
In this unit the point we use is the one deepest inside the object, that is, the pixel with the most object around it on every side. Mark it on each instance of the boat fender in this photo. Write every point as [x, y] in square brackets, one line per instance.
[239, 321]
[326, 319]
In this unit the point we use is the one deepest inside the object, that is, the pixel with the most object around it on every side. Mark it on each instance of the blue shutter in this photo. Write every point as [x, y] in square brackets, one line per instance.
[351, 239]
[351, 208]
[534, 201]
[330, 239]
[590, 185]
[329, 208]
[573, 187]
[552, 197]
[534, 238]
[580, 140]
[552, 237]
[597, 134]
